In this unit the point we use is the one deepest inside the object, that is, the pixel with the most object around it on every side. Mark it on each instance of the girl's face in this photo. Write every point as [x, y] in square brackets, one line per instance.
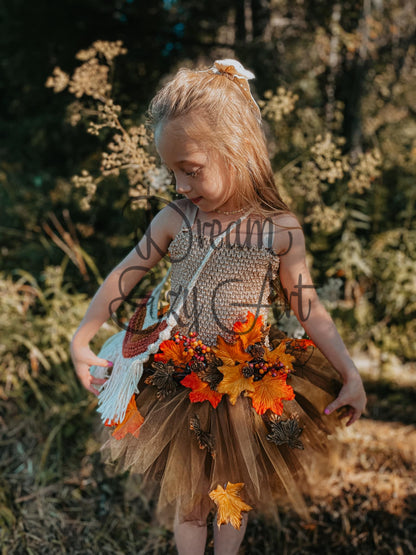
[201, 175]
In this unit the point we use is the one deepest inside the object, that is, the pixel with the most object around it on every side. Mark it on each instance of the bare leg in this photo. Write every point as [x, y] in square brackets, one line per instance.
[190, 537]
[227, 539]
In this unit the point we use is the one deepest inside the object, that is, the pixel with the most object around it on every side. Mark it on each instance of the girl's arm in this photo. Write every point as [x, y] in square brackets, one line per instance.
[318, 324]
[115, 289]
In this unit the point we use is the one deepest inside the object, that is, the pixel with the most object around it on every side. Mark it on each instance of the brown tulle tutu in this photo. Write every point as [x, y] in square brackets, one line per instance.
[184, 450]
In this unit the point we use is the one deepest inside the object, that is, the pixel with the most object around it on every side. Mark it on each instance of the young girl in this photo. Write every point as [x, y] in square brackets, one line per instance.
[226, 415]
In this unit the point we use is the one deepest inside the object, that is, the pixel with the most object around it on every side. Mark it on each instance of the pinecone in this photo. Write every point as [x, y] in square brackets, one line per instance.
[247, 371]
[256, 350]
[211, 375]
[196, 366]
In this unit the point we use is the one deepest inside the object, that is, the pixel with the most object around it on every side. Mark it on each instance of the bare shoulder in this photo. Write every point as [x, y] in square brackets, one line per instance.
[288, 232]
[286, 220]
[155, 242]
[170, 219]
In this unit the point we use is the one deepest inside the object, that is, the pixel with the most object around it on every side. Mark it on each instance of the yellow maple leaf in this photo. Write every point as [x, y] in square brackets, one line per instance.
[249, 331]
[233, 382]
[229, 503]
[230, 353]
[269, 392]
[279, 355]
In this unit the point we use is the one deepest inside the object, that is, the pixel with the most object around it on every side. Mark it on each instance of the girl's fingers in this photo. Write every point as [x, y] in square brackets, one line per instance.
[336, 404]
[93, 390]
[355, 416]
[98, 381]
[84, 355]
[87, 379]
[353, 413]
[93, 360]
[351, 395]
[83, 358]
[94, 382]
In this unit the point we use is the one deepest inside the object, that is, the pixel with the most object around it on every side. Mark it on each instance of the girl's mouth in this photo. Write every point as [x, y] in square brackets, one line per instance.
[195, 200]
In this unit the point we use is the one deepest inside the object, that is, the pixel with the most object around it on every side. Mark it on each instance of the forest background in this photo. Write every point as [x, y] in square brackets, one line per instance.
[336, 85]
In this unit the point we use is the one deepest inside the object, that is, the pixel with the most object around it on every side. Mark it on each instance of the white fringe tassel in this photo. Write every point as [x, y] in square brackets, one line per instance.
[117, 391]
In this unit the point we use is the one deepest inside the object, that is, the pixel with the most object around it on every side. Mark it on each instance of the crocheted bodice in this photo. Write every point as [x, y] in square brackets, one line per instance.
[235, 280]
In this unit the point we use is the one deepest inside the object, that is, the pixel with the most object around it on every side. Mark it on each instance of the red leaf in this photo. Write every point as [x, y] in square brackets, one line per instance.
[201, 390]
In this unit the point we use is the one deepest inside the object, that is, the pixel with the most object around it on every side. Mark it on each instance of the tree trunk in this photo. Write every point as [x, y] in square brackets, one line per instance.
[356, 76]
[240, 21]
[260, 13]
[333, 63]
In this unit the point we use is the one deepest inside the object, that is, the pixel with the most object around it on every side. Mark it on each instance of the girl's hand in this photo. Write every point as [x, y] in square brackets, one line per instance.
[83, 358]
[352, 394]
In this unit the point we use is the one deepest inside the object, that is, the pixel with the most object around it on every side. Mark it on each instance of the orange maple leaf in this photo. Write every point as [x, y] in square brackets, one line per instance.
[131, 423]
[233, 382]
[303, 343]
[269, 392]
[249, 331]
[173, 351]
[200, 390]
[229, 503]
[279, 355]
[230, 353]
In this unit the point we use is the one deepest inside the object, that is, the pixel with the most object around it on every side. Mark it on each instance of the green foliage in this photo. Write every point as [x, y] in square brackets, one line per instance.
[36, 327]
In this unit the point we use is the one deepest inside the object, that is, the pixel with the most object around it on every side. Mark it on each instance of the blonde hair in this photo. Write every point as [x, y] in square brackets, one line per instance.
[237, 134]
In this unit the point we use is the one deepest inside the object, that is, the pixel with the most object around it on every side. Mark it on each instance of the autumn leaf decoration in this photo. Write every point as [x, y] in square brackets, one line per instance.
[269, 393]
[204, 438]
[278, 357]
[242, 366]
[186, 361]
[229, 503]
[249, 367]
[200, 390]
[251, 330]
[303, 343]
[131, 423]
[285, 432]
[163, 378]
[233, 361]
[174, 351]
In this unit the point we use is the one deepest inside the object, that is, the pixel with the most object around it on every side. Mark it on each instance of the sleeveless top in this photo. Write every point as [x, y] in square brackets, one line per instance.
[235, 280]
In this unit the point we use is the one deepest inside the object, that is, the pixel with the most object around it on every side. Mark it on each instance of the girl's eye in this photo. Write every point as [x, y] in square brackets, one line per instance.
[193, 173]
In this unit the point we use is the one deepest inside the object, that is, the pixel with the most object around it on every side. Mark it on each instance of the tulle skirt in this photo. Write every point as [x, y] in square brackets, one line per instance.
[186, 450]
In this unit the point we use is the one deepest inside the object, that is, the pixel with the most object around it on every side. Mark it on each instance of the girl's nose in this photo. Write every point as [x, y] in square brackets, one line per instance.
[182, 187]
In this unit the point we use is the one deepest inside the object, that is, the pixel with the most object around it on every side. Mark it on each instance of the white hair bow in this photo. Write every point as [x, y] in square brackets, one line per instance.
[232, 67]
[237, 72]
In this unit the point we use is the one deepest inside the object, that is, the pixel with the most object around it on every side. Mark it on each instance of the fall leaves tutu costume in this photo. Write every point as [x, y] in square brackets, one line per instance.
[229, 414]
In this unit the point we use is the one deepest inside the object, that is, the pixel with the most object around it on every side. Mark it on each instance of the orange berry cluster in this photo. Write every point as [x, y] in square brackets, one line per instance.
[195, 347]
[259, 367]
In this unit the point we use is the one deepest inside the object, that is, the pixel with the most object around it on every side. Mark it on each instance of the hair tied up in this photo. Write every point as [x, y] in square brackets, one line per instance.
[237, 73]
[232, 68]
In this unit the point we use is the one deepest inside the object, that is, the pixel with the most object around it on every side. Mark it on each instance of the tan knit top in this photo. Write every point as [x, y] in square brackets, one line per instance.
[235, 280]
